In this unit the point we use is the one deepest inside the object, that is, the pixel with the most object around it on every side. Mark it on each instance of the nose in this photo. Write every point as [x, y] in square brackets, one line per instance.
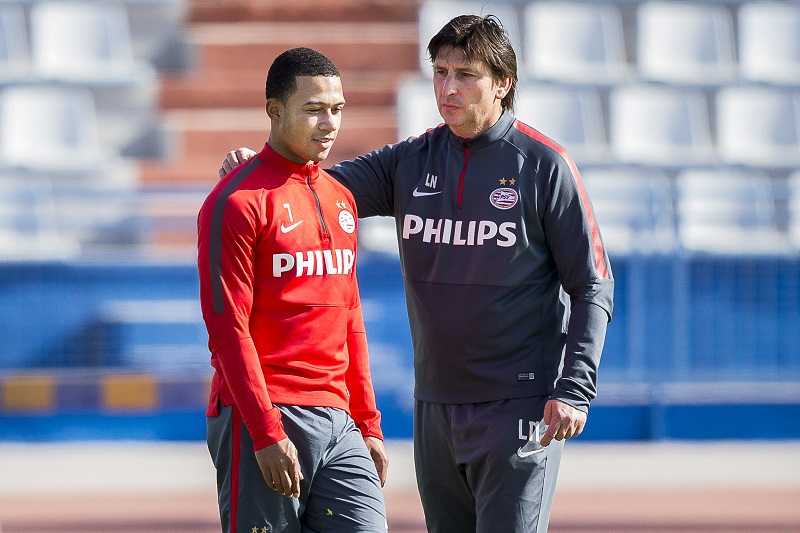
[449, 85]
[329, 121]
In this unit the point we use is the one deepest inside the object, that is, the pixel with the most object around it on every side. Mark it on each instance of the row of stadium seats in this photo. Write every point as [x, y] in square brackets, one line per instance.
[87, 46]
[646, 124]
[78, 109]
[69, 42]
[73, 132]
[107, 43]
[717, 211]
[649, 125]
[684, 117]
[673, 84]
[42, 218]
[613, 42]
[652, 211]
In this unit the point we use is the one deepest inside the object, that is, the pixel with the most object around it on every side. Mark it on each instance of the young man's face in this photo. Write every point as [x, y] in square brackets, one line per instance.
[305, 126]
[469, 99]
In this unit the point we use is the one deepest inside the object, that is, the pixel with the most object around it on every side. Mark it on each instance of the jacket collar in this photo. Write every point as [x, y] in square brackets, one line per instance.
[486, 138]
[283, 166]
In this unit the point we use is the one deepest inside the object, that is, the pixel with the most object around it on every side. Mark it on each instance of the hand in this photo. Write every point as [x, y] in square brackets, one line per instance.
[378, 454]
[563, 421]
[280, 467]
[234, 159]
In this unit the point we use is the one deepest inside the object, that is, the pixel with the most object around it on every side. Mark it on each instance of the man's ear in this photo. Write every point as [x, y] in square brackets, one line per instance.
[503, 88]
[274, 109]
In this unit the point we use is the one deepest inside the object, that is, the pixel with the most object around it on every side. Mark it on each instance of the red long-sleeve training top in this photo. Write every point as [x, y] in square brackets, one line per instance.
[277, 260]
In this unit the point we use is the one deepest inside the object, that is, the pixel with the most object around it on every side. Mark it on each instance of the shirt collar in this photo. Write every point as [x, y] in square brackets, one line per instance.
[486, 138]
[288, 168]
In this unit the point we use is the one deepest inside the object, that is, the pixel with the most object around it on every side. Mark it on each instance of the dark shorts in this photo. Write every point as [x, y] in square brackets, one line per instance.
[479, 469]
[341, 491]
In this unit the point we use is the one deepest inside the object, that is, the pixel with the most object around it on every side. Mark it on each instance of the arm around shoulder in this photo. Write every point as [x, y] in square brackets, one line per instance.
[234, 159]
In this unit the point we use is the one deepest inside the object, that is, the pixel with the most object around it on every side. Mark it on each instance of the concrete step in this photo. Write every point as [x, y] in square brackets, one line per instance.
[392, 45]
[334, 11]
[204, 137]
[233, 60]
[245, 88]
[219, 105]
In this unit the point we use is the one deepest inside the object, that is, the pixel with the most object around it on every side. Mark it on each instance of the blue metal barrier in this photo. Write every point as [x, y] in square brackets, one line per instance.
[682, 326]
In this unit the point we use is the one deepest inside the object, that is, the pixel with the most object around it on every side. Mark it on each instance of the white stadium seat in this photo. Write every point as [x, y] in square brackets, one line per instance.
[660, 126]
[728, 211]
[682, 42]
[54, 131]
[758, 126]
[573, 118]
[84, 42]
[48, 128]
[769, 42]
[416, 108]
[29, 227]
[574, 43]
[633, 209]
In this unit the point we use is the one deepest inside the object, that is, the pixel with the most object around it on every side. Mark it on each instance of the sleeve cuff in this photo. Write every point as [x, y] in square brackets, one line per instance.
[371, 427]
[268, 430]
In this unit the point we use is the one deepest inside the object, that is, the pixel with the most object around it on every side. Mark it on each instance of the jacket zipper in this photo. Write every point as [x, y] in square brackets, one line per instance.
[319, 206]
[463, 172]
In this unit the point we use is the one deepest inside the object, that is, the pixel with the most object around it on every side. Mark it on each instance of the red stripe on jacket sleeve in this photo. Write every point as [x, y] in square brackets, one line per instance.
[597, 243]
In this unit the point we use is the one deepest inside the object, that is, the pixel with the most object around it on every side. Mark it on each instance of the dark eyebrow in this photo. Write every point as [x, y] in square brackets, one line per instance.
[459, 69]
[323, 104]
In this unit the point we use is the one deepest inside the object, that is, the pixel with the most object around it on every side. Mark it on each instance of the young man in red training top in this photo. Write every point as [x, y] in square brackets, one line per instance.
[293, 428]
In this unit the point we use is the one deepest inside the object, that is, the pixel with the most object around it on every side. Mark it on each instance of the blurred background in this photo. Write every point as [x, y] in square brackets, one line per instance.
[683, 117]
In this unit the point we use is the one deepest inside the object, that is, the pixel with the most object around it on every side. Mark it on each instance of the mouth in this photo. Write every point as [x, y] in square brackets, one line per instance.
[325, 142]
[446, 106]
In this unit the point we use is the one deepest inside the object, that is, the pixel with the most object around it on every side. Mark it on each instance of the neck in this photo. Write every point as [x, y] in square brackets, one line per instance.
[467, 132]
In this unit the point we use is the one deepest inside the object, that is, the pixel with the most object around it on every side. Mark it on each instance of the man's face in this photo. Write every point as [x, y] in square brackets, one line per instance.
[306, 125]
[469, 99]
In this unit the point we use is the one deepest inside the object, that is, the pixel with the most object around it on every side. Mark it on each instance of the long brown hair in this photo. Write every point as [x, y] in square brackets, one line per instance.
[481, 39]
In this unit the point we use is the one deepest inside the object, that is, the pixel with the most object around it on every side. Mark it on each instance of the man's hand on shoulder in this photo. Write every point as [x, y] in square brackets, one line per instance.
[234, 159]
[563, 421]
[280, 467]
[378, 453]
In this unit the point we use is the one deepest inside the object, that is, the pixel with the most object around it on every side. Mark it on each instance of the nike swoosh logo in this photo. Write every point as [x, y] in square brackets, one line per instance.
[417, 193]
[523, 454]
[287, 229]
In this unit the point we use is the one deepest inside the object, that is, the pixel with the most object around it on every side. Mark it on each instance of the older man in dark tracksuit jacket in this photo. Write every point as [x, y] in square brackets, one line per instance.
[490, 230]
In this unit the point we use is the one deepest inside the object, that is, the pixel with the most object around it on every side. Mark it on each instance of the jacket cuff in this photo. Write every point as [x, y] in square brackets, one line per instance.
[268, 430]
[575, 400]
[371, 428]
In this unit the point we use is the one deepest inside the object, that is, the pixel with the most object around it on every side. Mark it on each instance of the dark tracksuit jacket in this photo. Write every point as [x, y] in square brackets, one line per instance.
[498, 241]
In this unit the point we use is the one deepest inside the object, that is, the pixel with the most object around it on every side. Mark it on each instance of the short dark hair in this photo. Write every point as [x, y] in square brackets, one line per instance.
[282, 75]
[482, 39]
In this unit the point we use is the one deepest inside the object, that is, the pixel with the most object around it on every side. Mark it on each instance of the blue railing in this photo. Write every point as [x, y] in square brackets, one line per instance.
[692, 336]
